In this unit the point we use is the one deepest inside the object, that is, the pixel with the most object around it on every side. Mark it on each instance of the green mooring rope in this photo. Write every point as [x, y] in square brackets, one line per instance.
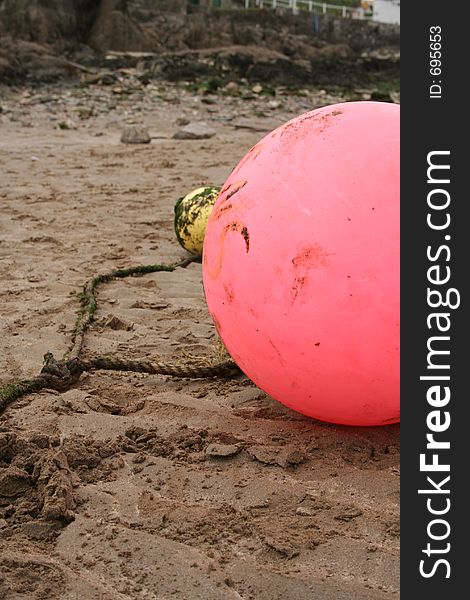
[62, 374]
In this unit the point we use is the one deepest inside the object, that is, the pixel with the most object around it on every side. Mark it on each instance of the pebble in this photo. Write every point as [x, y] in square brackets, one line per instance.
[67, 124]
[304, 512]
[232, 88]
[135, 135]
[194, 131]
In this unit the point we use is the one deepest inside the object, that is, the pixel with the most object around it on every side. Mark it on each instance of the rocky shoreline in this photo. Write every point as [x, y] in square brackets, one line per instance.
[221, 45]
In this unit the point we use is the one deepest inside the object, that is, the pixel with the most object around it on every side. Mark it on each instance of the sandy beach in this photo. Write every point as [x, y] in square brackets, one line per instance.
[134, 486]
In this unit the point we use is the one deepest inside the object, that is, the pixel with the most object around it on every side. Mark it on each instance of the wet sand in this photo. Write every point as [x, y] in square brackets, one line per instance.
[116, 488]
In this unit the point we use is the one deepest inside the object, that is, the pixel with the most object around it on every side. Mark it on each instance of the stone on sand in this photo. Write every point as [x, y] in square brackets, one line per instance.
[135, 135]
[194, 131]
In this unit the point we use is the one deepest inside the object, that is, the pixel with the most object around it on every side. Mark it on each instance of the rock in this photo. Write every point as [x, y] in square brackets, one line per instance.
[135, 135]
[20, 59]
[232, 88]
[67, 124]
[182, 121]
[13, 482]
[378, 96]
[84, 112]
[102, 78]
[114, 29]
[194, 131]
[209, 100]
[257, 88]
[221, 450]
[304, 511]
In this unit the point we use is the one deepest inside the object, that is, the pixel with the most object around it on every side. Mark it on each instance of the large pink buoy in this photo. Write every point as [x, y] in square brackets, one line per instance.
[301, 263]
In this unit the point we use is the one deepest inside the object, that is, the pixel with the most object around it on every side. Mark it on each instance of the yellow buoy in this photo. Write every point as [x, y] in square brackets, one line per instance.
[191, 216]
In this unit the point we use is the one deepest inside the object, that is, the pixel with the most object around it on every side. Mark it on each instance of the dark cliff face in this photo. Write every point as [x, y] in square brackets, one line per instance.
[35, 35]
[48, 21]
[142, 24]
[65, 23]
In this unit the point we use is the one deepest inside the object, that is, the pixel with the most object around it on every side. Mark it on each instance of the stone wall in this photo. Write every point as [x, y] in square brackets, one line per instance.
[358, 34]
